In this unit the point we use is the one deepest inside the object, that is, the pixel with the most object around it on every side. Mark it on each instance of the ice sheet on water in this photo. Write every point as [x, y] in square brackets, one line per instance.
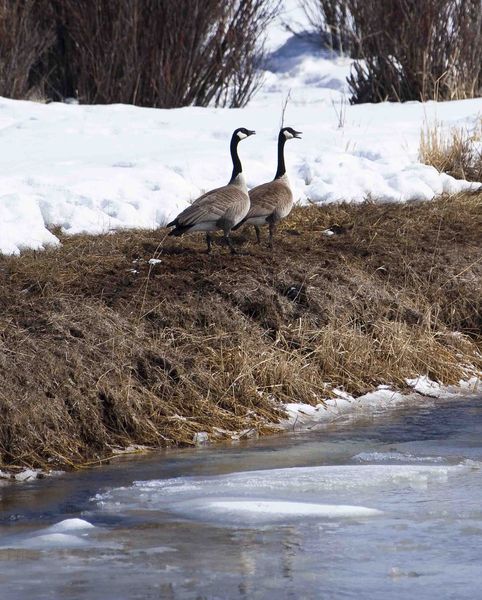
[248, 511]
[280, 508]
[49, 541]
[388, 457]
[260, 491]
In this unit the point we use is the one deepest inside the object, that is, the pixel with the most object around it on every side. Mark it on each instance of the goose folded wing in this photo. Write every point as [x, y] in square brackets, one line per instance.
[266, 198]
[212, 206]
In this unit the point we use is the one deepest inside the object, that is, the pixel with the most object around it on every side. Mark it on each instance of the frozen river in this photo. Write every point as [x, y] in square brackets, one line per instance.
[389, 506]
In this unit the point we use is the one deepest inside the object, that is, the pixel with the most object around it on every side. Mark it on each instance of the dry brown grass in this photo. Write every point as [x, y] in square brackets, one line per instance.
[458, 153]
[95, 356]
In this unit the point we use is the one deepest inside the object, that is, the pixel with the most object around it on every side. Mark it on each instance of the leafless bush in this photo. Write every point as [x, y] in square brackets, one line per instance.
[26, 33]
[160, 53]
[411, 50]
[333, 22]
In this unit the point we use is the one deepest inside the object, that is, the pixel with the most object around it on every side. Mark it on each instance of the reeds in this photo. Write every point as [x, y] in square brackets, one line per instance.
[457, 152]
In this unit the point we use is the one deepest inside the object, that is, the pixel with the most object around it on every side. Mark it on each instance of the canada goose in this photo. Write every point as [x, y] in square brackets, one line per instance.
[221, 208]
[273, 201]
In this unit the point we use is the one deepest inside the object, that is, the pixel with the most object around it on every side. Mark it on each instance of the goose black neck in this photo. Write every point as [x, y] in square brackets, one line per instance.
[281, 156]
[237, 168]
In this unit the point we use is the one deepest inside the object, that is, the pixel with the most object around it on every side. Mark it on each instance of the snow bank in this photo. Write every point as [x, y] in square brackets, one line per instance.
[93, 169]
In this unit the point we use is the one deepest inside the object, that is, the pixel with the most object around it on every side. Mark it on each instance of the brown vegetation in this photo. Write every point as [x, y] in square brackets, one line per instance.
[458, 153]
[147, 52]
[100, 349]
[26, 34]
[411, 50]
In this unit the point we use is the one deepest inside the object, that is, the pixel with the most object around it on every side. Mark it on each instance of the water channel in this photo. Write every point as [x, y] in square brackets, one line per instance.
[387, 505]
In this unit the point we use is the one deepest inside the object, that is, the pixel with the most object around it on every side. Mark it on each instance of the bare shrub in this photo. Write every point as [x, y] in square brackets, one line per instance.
[458, 153]
[333, 22]
[26, 33]
[160, 53]
[411, 50]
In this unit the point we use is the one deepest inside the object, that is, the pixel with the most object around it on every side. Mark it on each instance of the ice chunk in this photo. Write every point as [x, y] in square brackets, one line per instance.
[70, 525]
[279, 508]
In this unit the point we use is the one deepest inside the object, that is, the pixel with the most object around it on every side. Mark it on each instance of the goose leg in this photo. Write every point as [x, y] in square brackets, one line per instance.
[272, 228]
[208, 242]
[229, 241]
[258, 233]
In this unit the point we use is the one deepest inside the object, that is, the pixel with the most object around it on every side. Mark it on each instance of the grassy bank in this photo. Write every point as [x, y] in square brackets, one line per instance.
[100, 349]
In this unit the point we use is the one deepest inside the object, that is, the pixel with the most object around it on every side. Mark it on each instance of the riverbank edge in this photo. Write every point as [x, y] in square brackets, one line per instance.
[104, 348]
[301, 418]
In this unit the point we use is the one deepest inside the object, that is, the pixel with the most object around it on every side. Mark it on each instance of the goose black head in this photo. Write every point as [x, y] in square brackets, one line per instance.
[290, 133]
[242, 133]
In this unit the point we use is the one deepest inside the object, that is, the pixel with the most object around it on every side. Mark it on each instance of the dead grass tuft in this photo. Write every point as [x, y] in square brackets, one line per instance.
[99, 349]
[458, 153]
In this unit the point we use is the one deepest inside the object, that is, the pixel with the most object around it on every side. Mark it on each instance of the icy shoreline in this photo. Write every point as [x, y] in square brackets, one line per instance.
[303, 417]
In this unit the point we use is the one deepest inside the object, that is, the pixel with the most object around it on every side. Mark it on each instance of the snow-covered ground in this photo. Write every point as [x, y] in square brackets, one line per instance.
[96, 168]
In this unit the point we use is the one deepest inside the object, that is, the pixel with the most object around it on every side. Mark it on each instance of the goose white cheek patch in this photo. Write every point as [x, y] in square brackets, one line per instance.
[241, 135]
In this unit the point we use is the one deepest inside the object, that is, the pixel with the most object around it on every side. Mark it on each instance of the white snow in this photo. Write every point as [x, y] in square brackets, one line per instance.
[304, 416]
[69, 525]
[94, 169]
[28, 475]
[69, 533]
[425, 386]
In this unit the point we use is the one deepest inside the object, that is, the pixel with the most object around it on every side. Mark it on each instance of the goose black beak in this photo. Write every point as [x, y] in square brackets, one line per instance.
[251, 132]
[297, 134]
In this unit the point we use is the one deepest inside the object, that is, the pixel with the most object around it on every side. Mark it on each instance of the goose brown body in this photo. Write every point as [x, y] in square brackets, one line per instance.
[271, 202]
[221, 208]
